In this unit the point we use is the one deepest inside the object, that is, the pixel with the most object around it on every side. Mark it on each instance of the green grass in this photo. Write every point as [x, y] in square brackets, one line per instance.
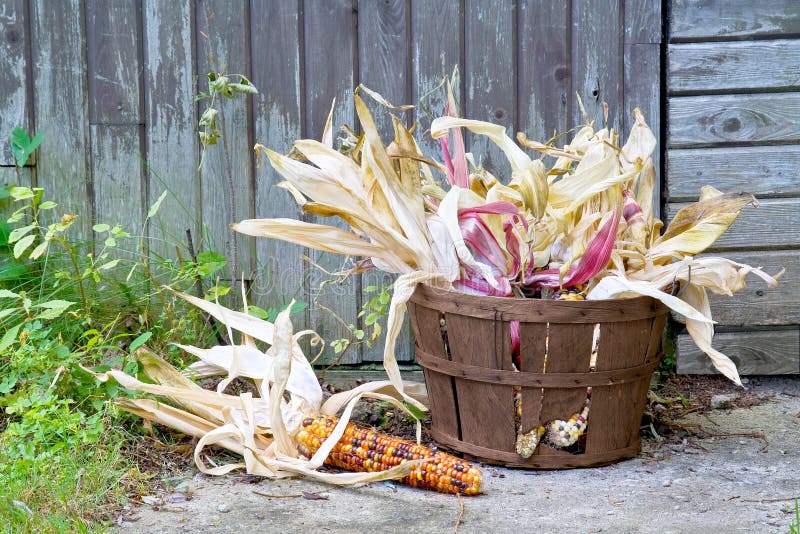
[78, 489]
[63, 461]
[794, 527]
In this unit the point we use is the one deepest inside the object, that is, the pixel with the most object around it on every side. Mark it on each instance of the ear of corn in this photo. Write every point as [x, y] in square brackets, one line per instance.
[361, 449]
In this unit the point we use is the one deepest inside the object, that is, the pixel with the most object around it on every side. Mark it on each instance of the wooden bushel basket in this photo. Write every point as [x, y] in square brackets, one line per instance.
[470, 381]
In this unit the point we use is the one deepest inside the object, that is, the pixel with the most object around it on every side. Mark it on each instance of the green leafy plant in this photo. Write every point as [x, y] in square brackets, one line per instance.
[22, 146]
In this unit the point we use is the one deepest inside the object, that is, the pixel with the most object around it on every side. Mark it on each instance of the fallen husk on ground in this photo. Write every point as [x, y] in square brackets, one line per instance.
[266, 429]
[585, 223]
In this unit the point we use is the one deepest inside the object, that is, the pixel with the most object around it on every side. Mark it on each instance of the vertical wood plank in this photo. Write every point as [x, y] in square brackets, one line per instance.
[622, 345]
[113, 42]
[441, 388]
[474, 341]
[115, 111]
[10, 176]
[643, 21]
[597, 40]
[226, 50]
[642, 89]
[119, 176]
[277, 119]
[170, 113]
[490, 76]
[532, 348]
[384, 66]
[330, 57]
[15, 104]
[544, 77]
[437, 39]
[61, 107]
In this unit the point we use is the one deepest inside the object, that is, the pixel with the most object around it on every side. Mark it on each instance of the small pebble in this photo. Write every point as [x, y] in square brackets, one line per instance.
[693, 469]
[223, 508]
[667, 483]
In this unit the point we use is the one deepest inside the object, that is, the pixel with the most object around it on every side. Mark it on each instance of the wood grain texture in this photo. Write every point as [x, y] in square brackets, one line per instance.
[764, 352]
[735, 66]
[118, 173]
[728, 119]
[758, 304]
[643, 21]
[616, 411]
[486, 411]
[437, 38]
[171, 118]
[773, 224]
[489, 75]
[14, 176]
[733, 19]
[61, 107]
[569, 351]
[226, 50]
[544, 69]
[330, 59]
[384, 66]
[597, 55]
[441, 388]
[278, 121]
[532, 349]
[642, 64]
[767, 170]
[113, 42]
[15, 102]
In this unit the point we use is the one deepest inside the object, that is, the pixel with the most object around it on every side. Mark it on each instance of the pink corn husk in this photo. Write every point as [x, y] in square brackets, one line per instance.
[593, 260]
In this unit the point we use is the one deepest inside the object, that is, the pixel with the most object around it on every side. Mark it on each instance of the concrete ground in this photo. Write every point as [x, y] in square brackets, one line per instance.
[735, 485]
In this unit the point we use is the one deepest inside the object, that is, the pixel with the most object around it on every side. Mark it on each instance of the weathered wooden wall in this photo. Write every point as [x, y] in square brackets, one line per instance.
[112, 83]
[733, 84]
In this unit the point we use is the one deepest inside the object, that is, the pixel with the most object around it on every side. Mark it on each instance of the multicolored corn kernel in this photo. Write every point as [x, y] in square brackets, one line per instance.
[527, 442]
[361, 449]
[566, 433]
[569, 294]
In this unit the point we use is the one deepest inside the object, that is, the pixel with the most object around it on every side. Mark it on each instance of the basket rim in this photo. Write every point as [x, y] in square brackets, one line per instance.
[538, 310]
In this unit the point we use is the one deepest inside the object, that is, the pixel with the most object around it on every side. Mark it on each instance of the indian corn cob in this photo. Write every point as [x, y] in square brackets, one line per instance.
[566, 433]
[361, 449]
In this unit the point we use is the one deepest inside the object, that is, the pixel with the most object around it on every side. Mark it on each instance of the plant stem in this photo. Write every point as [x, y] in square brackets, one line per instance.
[74, 260]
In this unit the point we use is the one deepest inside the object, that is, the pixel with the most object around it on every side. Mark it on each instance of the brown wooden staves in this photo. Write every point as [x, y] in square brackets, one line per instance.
[470, 376]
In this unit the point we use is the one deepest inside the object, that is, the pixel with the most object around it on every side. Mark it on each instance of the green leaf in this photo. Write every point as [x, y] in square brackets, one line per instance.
[210, 262]
[21, 193]
[102, 227]
[6, 294]
[216, 292]
[17, 233]
[110, 242]
[140, 340]
[109, 265]
[243, 88]
[157, 204]
[54, 304]
[10, 337]
[47, 205]
[8, 311]
[39, 250]
[22, 245]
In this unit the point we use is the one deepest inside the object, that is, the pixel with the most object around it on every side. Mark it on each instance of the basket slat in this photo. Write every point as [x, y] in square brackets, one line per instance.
[441, 388]
[611, 421]
[474, 374]
[486, 411]
[531, 355]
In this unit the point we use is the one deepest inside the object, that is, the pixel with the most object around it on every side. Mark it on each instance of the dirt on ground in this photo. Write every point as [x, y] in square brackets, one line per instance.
[715, 458]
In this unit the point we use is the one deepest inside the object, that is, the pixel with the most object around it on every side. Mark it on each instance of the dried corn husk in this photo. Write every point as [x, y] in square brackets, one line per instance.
[558, 232]
[260, 429]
